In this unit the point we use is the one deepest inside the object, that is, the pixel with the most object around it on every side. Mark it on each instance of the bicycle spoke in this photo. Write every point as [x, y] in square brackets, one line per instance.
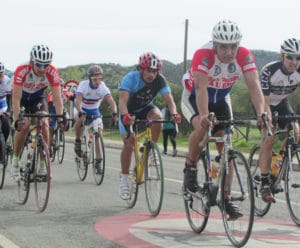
[98, 159]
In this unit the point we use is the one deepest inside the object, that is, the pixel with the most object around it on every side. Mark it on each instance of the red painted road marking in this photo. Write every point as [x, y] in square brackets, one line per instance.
[121, 229]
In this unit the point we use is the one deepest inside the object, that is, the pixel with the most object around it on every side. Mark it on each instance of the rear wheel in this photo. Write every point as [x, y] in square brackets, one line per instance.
[42, 175]
[98, 160]
[292, 190]
[81, 163]
[154, 179]
[240, 193]
[196, 207]
[261, 207]
[60, 146]
[3, 160]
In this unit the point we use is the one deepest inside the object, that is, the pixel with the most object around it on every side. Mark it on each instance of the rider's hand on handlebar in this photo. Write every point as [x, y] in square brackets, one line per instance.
[127, 119]
[176, 118]
[19, 124]
[205, 122]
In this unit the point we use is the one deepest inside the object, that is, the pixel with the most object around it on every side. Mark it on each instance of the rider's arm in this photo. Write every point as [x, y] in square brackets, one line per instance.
[123, 99]
[169, 101]
[57, 101]
[201, 84]
[112, 103]
[257, 98]
[16, 100]
[77, 103]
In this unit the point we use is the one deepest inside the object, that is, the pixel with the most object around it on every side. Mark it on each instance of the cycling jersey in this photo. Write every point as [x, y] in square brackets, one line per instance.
[221, 77]
[34, 86]
[92, 97]
[66, 95]
[142, 94]
[276, 83]
[5, 89]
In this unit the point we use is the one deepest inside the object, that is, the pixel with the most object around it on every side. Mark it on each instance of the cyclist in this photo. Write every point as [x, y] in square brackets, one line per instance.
[214, 69]
[138, 90]
[29, 83]
[278, 80]
[5, 97]
[89, 96]
[65, 95]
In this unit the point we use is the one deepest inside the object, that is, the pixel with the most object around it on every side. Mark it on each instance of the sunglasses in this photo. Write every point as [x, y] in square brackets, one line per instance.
[96, 78]
[292, 57]
[40, 65]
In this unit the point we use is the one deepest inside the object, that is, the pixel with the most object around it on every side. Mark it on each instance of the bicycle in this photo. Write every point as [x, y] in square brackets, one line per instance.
[58, 145]
[285, 173]
[34, 151]
[215, 189]
[93, 151]
[3, 151]
[146, 167]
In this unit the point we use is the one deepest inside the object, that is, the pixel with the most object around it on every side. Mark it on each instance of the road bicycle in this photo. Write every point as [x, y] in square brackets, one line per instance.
[4, 152]
[93, 151]
[232, 180]
[58, 145]
[33, 156]
[287, 172]
[146, 167]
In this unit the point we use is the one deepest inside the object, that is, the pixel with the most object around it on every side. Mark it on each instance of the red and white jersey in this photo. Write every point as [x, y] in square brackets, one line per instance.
[34, 86]
[221, 77]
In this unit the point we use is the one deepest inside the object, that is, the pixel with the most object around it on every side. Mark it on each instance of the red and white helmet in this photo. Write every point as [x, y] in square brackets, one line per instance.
[149, 60]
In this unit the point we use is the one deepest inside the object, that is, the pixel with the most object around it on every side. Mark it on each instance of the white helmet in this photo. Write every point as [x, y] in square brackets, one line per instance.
[41, 54]
[2, 68]
[226, 32]
[291, 46]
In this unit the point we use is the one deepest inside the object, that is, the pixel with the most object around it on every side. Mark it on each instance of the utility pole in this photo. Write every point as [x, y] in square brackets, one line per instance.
[185, 45]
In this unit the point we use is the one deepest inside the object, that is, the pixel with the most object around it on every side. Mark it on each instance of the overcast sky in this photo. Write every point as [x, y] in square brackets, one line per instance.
[111, 31]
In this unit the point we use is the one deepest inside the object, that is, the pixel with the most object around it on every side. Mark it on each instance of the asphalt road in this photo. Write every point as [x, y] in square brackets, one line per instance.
[81, 214]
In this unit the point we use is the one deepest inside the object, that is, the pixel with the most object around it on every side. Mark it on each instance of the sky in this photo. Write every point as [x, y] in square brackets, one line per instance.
[118, 31]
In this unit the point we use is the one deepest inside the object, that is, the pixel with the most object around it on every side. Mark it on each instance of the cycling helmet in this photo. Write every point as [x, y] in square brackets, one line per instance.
[226, 32]
[94, 70]
[291, 46]
[41, 54]
[2, 68]
[149, 60]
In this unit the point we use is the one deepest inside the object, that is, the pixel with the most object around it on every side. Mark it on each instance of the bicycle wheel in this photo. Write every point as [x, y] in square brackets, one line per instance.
[261, 207]
[25, 164]
[98, 163]
[60, 146]
[53, 146]
[154, 179]
[133, 185]
[9, 146]
[3, 160]
[42, 175]
[292, 190]
[196, 209]
[241, 194]
[81, 163]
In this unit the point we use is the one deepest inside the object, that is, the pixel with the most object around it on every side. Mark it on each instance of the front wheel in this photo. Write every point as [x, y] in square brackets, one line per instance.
[238, 188]
[61, 146]
[292, 189]
[261, 207]
[154, 179]
[98, 159]
[42, 175]
[81, 162]
[196, 206]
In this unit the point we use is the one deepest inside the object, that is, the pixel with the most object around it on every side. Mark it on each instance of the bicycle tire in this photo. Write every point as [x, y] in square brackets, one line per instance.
[154, 179]
[3, 160]
[292, 191]
[98, 168]
[261, 207]
[81, 163]
[10, 145]
[53, 146]
[133, 187]
[61, 146]
[25, 160]
[241, 191]
[197, 213]
[42, 182]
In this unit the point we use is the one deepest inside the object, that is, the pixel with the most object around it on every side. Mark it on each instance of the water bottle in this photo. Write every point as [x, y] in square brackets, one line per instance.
[215, 166]
[276, 158]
